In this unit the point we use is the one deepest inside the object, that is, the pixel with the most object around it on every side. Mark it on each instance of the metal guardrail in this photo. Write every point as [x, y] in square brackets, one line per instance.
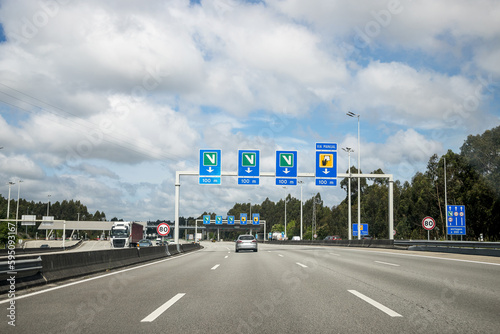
[448, 244]
[21, 265]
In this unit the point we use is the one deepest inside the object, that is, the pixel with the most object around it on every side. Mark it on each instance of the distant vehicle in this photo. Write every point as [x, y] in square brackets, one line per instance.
[296, 238]
[332, 237]
[126, 234]
[366, 237]
[145, 243]
[246, 242]
[44, 246]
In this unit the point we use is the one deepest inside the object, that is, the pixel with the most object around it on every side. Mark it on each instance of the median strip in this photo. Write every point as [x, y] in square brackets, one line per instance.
[372, 302]
[156, 313]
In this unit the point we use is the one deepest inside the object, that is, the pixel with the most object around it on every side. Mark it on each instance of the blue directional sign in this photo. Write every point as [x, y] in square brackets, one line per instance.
[243, 218]
[248, 166]
[210, 167]
[206, 219]
[326, 167]
[286, 163]
[218, 220]
[455, 224]
[364, 229]
[255, 219]
[230, 220]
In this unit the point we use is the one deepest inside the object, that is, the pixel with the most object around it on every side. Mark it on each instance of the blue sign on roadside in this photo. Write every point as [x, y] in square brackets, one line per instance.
[455, 222]
[255, 219]
[243, 218]
[364, 229]
[218, 220]
[230, 220]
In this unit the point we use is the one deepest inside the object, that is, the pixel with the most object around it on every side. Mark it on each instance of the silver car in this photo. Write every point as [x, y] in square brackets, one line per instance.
[246, 242]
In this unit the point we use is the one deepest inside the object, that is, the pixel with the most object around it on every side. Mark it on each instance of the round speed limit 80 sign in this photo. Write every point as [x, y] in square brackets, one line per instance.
[163, 229]
[428, 223]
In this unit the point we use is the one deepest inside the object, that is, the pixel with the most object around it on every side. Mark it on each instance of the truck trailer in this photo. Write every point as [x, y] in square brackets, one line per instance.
[126, 234]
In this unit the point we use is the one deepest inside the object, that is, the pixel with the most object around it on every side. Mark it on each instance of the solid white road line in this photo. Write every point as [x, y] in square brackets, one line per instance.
[156, 313]
[372, 302]
[334, 254]
[387, 263]
[97, 277]
[302, 265]
[215, 267]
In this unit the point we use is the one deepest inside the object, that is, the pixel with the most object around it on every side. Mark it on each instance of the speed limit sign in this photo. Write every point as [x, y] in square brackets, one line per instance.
[428, 223]
[163, 229]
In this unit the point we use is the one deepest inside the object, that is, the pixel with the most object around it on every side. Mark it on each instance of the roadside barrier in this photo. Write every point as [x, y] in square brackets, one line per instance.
[60, 266]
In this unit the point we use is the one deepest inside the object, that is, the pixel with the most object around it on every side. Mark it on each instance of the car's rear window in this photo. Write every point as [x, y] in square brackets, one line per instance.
[246, 237]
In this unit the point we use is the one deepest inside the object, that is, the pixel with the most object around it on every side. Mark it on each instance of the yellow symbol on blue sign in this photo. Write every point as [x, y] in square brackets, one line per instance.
[325, 160]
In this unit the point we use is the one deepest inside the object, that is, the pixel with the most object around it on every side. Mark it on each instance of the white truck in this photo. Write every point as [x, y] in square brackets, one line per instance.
[126, 234]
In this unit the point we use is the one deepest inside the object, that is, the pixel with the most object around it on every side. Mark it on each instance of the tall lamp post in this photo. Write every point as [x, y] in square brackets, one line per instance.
[301, 204]
[8, 203]
[18, 193]
[48, 204]
[349, 150]
[351, 114]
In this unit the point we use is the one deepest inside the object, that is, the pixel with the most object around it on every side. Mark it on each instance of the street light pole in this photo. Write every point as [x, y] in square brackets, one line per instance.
[8, 203]
[351, 114]
[18, 193]
[349, 150]
[48, 204]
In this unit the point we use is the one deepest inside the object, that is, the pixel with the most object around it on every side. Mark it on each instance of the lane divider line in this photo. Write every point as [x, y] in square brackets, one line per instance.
[372, 302]
[156, 313]
[334, 254]
[280, 255]
[300, 264]
[226, 256]
[215, 267]
[389, 264]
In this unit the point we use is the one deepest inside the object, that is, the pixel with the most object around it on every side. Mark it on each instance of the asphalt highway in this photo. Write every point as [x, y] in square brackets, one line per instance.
[279, 289]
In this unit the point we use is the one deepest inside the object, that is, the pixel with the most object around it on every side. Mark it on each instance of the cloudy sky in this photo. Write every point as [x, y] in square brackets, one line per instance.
[103, 101]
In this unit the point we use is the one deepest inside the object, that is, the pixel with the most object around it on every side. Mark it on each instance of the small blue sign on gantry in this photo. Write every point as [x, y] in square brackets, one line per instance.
[455, 222]
[206, 219]
[243, 218]
[230, 220]
[255, 219]
[218, 220]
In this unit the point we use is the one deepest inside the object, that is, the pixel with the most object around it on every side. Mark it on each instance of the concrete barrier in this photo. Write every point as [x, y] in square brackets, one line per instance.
[61, 266]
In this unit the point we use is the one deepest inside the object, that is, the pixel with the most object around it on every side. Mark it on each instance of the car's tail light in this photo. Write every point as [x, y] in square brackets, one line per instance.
[254, 240]
[239, 241]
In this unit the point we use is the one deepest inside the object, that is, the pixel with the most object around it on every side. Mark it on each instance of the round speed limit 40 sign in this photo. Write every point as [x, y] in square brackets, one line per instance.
[428, 223]
[163, 229]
